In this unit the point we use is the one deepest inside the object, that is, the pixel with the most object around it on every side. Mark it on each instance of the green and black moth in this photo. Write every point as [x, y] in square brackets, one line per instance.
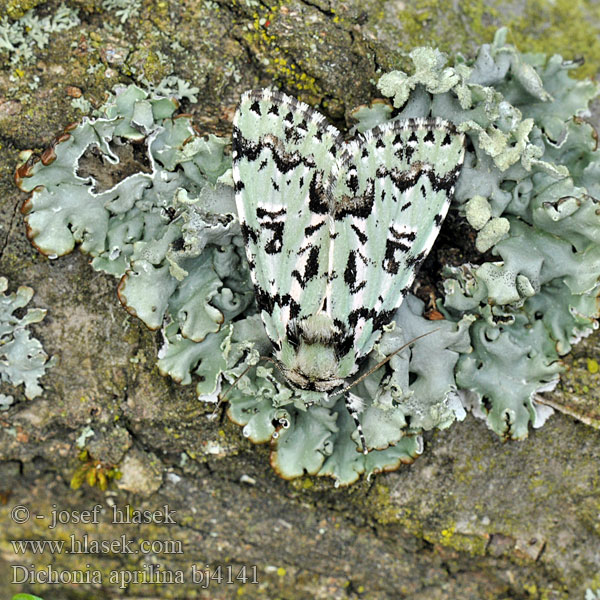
[335, 231]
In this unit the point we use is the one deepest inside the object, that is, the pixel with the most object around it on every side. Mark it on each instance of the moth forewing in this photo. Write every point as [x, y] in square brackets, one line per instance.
[335, 232]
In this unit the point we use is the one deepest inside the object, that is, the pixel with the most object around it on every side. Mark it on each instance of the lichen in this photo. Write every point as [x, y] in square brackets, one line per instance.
[18, 37]
[124, 9]
[22, 358]
[523, 291]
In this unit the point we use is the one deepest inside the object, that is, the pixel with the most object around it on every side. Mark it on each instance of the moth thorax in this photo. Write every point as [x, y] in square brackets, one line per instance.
[318, 329]
[312, 361]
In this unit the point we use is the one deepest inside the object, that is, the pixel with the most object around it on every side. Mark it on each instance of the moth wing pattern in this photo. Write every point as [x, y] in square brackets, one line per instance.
[281, 159]
[389, 192]
[337, 228]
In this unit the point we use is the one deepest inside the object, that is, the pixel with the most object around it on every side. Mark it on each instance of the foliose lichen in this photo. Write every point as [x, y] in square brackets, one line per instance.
[19, 36]
[22, 358]
[520, 294]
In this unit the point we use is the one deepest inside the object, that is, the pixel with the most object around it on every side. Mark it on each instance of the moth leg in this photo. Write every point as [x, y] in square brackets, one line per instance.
[355, 405]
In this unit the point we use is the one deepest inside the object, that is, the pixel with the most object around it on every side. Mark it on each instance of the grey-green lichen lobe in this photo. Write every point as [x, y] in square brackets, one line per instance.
[22, 357]
[491, 233]
[478, 211]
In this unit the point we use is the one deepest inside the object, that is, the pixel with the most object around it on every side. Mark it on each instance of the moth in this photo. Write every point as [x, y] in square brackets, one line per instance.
[335, 231]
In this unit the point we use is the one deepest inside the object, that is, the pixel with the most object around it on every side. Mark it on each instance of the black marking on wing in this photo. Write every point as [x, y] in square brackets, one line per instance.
[406, 180]
[343, 343]
[255, 108]
[311, 269]
[429, 137]
[397, 241]
[311, 229]
[359, 206]
[267, 302]
[362, 238]
[352, 181]
[383, 318]
[292, 135]
[285, 161]
[413, 262]
[262, 213]
[249, 234]
[402, 180]
[273, 221]
[316, 197]
[273, 110]
[351, 274]
[379, 319]
[446, 182]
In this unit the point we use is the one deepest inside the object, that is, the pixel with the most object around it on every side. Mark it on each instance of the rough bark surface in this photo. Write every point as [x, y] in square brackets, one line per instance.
[473, 518]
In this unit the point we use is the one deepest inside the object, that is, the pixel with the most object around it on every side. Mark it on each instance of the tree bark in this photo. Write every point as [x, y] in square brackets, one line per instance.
[472, 518]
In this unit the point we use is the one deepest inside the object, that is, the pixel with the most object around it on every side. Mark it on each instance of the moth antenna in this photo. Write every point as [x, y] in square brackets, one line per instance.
[382, 362]
[223, 398]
